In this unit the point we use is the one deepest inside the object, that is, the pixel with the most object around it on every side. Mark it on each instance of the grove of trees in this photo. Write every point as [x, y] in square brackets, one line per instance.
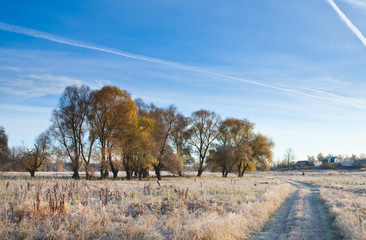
[343, 158]
[106, 127]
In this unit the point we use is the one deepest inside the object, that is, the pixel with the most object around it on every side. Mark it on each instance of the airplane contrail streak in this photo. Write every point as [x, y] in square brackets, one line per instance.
[332, 98]
[348, 22]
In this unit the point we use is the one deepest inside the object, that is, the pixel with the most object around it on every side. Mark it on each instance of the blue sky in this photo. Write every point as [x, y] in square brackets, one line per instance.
[295, 68]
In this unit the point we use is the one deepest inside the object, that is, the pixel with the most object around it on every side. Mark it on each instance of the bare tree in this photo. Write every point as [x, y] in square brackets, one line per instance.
[179, 138]
[31, 159]
[69, 126]
[203, 132]
[289, 156]
[320, 156]
[87, 152]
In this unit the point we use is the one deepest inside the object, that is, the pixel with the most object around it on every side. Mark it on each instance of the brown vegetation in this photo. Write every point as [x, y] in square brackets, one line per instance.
[208, 208]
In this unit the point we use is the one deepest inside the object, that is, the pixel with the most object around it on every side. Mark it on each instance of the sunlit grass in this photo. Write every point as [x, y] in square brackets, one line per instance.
[175, 208]
[344, 193]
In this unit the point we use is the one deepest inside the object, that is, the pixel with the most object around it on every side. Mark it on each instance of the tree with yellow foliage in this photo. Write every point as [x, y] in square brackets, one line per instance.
[239, 149]
[113, 111]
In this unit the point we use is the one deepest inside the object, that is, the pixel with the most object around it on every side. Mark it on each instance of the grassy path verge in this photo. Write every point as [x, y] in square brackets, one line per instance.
[302, 216]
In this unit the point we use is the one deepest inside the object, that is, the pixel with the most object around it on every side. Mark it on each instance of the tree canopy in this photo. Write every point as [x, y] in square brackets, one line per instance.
[109, 130]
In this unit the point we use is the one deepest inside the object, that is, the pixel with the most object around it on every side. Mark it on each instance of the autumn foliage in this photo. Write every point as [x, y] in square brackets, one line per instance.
[108, 128]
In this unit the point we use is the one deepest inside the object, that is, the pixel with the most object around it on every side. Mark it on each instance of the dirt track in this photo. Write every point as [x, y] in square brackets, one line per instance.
[302, 216]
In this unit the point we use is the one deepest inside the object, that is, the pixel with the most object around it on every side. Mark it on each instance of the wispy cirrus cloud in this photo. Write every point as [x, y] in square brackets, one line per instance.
[13, 69]
[37, 85]
[40, 84]
[347, 21]
[24, 108]
[356, 3]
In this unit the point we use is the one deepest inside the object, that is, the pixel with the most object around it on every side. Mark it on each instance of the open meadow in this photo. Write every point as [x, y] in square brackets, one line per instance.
[274, 205]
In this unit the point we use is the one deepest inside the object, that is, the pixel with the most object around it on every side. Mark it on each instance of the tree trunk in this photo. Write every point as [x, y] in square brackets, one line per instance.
[114, 170]
[244, 169]
[87, 171]
[128, 174]
[32, 173]
[76, 175]
[115, 173]
[145, 173]
[103, 163]
[157, 172]
[104, 173]
[200, 169]
[226, 173]
[141, 174]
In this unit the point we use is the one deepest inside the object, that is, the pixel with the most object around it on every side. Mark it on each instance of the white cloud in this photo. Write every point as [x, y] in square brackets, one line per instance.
[348, 22]
[13, 69]
[356, 3]
[36, 85]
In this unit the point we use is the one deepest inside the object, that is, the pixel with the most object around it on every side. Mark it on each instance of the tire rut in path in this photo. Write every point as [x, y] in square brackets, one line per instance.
[302, 216]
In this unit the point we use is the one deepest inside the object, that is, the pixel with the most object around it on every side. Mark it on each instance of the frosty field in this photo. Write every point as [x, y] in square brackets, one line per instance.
[271, 205]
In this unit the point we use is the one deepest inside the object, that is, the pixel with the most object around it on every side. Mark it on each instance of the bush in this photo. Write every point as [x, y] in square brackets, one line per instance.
[329, 165]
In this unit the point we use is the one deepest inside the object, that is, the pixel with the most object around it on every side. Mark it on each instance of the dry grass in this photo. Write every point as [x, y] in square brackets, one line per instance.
[349, 210]
[177, 208]
[344, 192]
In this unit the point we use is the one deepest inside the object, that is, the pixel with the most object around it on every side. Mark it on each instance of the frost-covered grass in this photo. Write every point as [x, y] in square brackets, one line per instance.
[344, 192]
[175, 208]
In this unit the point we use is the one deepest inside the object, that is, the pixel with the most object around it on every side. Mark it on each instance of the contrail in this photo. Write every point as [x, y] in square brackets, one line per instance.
[348, 22]
[332, 98]
[53, 38]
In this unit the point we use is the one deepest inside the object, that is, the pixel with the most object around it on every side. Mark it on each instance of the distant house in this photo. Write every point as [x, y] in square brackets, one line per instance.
[308, 163]
[303, 163]
[354, 164]
[331, 160]
[347, 164]
[357, 163]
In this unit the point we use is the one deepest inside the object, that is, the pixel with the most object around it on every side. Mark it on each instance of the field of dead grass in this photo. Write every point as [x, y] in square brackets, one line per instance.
[175, 208]
[344, 193]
